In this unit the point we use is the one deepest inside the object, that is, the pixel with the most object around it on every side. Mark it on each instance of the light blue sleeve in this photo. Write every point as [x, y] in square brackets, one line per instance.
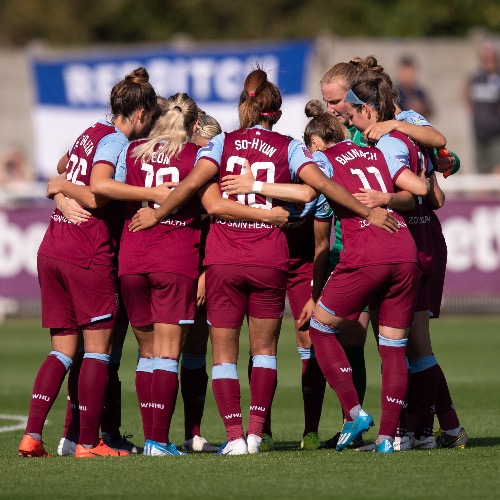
[323, 208]
[413, 118]
[121, 166]
[394, 165]
[395, 152]
[213, 149]
[110, 147]
[323, 163]
[298, 155]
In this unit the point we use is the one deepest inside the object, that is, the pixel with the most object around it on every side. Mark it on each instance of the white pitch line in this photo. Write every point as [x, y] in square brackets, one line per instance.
[17, 427]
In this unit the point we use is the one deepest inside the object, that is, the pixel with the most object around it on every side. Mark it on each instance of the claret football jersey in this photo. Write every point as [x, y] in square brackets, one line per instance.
[94, 240]
[414, 157]
[355, 167]
[173, 244]
[272, 157]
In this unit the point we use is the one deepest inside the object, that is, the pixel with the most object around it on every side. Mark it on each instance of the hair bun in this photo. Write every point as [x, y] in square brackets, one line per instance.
[139, 75]
[314, 108]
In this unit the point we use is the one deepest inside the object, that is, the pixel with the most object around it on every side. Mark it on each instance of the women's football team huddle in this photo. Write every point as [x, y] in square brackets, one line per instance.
[166, 224]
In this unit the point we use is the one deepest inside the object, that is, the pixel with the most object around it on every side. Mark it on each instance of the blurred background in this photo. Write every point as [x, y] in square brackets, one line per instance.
[60, 58]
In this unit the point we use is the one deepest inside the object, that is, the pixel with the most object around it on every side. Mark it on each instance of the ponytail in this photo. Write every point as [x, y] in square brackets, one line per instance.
[172, 130]
[260, 100]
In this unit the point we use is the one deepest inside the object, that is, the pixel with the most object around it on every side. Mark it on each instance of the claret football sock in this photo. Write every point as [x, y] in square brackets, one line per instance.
[194, 382]
[334, 364]
[72, 419]
[313, 389]
[424, 380]
[394, 383]
[226, 387]
[92, 386]
[143, 379]
[262, 388]
[45, 390]
[445, 409]
[112, 414]
[356, 358]
[164, 389]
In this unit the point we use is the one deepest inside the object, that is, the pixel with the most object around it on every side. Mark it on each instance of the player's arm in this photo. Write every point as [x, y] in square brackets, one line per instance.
[401, 201]
[245, 183]
[203, 172]
[61, 164]
[322, 230]
[414, 184]
[103, 184]
[80, 193]
[220, 207]
[314, 177]
[426, 135]
[410, 184]
[436, 197]
[71, 209]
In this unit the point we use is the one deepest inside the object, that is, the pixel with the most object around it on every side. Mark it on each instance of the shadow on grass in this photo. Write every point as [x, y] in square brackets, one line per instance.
[473, 443]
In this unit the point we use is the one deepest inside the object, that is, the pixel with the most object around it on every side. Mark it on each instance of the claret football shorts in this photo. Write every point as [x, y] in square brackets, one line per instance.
[233, 291]
[75, 297]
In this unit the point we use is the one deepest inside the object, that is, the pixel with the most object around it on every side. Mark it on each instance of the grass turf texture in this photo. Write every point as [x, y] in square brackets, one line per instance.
[467, 348]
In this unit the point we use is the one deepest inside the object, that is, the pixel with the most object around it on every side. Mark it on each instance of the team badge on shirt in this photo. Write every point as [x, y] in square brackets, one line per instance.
[307, 153]
[418, 120]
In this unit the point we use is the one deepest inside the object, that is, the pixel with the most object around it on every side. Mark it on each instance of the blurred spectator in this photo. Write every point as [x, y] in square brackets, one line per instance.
[14, 168]
[411, 94]
[483, 97]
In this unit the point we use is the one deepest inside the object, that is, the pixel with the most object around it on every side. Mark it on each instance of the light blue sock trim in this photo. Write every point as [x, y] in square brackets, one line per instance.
[145, 365]
[166, 365]
[263, 361]
[320, 304]
[392, 342]
[420, 364]
[193, 361]
[65, 360]
[323, 328]
[94, 355]
[224, 370]
[116, 355]
[306, 353]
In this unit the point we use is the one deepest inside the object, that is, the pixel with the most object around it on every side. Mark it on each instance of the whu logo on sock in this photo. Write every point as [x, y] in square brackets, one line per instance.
[43, 397]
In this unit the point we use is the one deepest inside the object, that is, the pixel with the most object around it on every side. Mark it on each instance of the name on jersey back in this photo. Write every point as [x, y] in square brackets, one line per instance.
[257, 144]
[353, 154]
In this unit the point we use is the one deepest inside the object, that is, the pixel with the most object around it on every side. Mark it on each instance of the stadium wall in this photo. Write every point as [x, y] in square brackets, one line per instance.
[444, 65]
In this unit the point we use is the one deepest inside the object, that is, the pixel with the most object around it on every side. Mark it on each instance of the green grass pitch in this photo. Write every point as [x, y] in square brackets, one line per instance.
[467, 347]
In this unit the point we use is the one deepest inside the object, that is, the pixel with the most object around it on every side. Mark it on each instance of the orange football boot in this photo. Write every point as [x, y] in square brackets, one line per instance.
[101, 450]
[32, 448]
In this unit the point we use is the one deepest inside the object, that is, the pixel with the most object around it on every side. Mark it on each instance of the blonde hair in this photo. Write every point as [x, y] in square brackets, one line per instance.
[207, 127]
[341, 72]
[347, 72]
[172, 129]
